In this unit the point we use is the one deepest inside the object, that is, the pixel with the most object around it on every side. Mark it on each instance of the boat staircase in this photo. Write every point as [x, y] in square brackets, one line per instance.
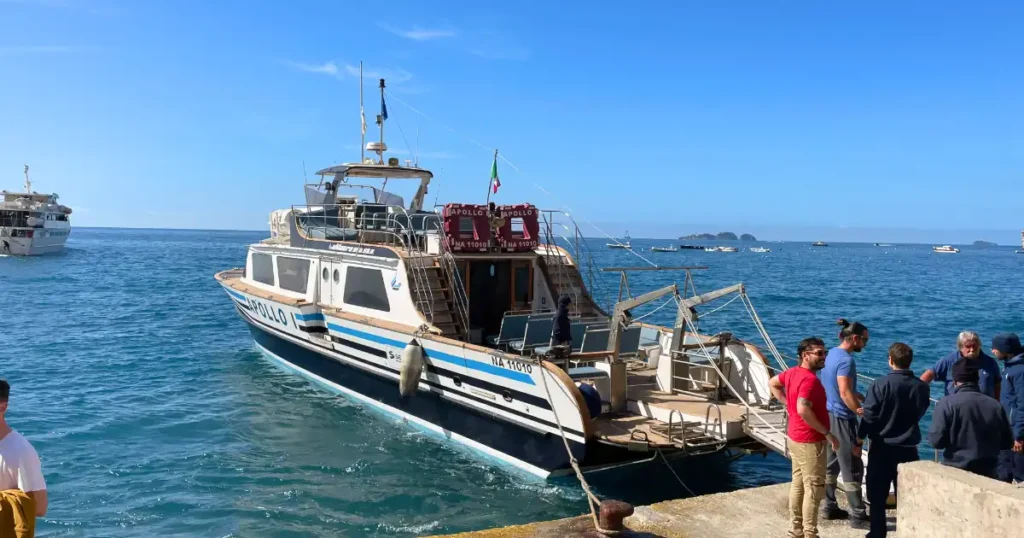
[437, 290]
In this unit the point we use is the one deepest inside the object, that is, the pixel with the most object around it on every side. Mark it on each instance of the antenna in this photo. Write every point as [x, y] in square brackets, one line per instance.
[28, 182]
[362, 117]
[416, 156]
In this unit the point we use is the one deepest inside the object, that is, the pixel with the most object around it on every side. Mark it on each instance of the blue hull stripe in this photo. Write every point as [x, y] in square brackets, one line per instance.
[316, 316]
[236, 295]
[543, 450]
[441, 356]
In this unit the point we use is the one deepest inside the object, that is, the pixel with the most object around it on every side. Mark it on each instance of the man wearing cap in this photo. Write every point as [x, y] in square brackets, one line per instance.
[1006, 347]
[970, 427]
[968, 346]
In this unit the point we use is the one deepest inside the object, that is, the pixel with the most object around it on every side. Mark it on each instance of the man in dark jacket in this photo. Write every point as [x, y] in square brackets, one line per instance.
[970, 427]
[562, 334]
[893, 407]
[1006, 347]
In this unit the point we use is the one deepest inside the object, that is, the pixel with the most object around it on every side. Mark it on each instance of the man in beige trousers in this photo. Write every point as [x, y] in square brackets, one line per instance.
[808, 431]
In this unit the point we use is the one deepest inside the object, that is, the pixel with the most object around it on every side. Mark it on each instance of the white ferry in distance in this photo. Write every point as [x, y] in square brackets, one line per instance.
[32, 223]
[445, 320]
[946, 249]
[1021, 251]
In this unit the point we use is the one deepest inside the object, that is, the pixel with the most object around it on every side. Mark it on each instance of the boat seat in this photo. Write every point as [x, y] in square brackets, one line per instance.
[629, 341]
[538, 333]
[576, 331]
[594, 340]
[649, 336]
[585, 372]
[513, 327]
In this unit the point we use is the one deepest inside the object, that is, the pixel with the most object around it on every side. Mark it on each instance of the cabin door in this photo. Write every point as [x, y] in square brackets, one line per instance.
[332, 282]
[490, 294]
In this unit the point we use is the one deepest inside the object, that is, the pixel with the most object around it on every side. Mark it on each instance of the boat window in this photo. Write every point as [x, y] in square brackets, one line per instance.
[365, 288]
[292, 273]
[337, 277]
[517, 227]
[465, 226]
[326, 274]
[263, 268]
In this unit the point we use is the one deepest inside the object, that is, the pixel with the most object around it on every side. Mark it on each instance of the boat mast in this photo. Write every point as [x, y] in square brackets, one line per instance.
[362, 117]
[28, 182]
[380, 120]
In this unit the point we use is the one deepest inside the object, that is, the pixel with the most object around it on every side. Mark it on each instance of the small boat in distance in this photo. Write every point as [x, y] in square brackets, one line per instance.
[882, 245]
[819, 244]
[946, 249]
[664, 249]
[760, 249]
[721, 249]
[624, 245]
[691, 247]
[1021, 251]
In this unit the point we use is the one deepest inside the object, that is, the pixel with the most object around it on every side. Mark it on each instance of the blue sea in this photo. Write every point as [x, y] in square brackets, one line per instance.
[154, 416]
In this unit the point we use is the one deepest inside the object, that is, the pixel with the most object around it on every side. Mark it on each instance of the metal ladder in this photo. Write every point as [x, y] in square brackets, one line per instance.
[460, 301]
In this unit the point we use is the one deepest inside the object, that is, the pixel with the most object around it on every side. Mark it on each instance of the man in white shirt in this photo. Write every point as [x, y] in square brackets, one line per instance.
[19, 463]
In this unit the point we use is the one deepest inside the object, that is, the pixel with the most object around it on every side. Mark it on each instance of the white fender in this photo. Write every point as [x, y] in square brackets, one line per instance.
[410, 369]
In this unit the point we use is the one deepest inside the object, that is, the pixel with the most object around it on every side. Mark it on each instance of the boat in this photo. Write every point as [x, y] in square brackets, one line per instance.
[623, 245]
[946, 249]
[691, 247]
[721, 249]
[760, 249]
[32, 223]
[1021, 251]
[664, 249]
[443, 319]
[883, 245]
[819, 244]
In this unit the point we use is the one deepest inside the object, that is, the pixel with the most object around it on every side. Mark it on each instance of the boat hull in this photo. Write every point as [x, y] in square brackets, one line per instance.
[38, 245]
[540, 453]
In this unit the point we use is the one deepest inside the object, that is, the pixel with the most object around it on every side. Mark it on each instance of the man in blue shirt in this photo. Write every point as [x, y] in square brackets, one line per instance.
[1006, 347]
[844, 406]
[968, 345]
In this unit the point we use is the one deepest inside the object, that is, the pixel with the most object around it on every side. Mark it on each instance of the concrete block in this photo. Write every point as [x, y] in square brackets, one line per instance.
[939, 502]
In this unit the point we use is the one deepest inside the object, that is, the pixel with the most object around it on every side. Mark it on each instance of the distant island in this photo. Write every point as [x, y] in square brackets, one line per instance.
[984, 244]
[723, 236]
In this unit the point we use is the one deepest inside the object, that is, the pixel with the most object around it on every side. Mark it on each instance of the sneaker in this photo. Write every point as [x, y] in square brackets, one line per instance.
[833, 513]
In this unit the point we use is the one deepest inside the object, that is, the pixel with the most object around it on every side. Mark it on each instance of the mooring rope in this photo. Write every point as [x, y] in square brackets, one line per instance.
[591, 498]
[664, 459]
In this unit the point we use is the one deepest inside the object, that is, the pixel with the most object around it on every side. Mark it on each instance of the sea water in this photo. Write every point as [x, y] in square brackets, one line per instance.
[153, 414]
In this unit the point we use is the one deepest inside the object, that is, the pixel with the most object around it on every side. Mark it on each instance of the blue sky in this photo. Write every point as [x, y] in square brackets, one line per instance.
[791, 119]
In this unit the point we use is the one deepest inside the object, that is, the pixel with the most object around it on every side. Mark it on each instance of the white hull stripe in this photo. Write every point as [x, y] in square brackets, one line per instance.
[532, 469]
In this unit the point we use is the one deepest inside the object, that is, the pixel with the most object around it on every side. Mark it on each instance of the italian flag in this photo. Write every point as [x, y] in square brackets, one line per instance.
[495, 182]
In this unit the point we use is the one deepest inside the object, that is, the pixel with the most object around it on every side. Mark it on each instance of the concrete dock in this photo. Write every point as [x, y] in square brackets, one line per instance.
[745, 513]
[936, 501]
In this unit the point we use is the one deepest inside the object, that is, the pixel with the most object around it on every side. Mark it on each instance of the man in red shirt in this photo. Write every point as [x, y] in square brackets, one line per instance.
[808, 431]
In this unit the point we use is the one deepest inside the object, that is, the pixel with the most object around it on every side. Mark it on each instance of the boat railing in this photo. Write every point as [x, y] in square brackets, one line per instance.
[560, 225]
[370, 223]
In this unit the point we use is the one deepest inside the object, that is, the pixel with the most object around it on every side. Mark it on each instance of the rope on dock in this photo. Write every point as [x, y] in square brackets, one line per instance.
[592, 499]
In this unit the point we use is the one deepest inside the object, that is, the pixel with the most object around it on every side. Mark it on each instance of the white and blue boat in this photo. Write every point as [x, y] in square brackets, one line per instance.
[444, 318]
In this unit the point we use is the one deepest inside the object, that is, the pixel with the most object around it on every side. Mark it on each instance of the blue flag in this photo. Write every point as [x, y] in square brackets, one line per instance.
[383, 107]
